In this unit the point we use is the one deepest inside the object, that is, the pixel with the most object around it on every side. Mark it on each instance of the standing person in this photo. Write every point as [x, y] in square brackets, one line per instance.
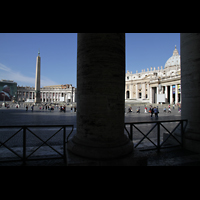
[151, 111]
[27, 108]
[179, 107]
[156, 112]
[145, 109]
[130, 109]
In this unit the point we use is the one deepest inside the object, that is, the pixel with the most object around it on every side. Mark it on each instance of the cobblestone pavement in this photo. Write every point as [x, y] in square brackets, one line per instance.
[20, 116]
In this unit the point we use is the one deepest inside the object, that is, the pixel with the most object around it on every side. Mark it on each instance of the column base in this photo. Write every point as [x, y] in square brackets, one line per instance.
[135, 158]
[97, 150]
[191, 141]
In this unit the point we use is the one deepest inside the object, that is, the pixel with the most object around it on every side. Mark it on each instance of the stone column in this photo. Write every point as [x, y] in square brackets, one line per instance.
[171, 95]
[166, 93]
[100, 97]
[143, 91]
[176, 94]
[157, 92]
[136, 91]
[150, 97]
[190, 86]
[131, 91]
[148, 91]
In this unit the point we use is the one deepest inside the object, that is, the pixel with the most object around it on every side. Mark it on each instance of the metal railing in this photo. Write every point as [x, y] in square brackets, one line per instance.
[157, 124]
[26, 157]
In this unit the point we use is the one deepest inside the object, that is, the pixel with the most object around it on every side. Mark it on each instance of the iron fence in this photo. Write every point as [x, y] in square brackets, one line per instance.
[26, 129]
[157, 124]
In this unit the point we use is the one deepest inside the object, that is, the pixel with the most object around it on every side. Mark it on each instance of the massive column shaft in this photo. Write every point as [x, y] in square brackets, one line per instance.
[100, 97]
[37, 80]
[190, 86]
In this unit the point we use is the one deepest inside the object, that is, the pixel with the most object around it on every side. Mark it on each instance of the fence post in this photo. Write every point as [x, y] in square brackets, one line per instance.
[158, 136]
[24, 145]
[182, 132]
[131, 132]
[64, 144]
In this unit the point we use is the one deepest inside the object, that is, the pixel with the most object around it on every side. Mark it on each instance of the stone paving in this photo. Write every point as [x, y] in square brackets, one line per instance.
[20, 116]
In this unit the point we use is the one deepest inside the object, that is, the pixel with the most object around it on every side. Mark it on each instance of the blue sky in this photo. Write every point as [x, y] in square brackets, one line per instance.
[58, 51]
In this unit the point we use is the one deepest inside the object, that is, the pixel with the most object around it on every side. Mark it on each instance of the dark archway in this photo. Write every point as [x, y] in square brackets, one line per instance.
[127, 95]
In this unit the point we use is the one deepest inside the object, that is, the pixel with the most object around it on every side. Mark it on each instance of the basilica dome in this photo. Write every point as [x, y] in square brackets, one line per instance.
[174, 60]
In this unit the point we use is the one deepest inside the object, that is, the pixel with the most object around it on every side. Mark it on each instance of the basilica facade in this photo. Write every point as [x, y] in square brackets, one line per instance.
[161, 85]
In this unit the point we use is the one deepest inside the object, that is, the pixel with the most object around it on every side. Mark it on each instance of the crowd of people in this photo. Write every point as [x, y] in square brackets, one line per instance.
[32, 107]
[61, 108]
[154, 110]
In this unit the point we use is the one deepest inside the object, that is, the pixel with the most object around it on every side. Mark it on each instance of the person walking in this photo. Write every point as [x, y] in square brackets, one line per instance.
[130, 110]
[151, 111]
[138, 110]
[156, 112]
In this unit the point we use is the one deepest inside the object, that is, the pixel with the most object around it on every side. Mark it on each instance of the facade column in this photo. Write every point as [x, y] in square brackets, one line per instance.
[136, 91]
[166, 93]
[131, 91]
[150, 95]
[157, 92]
[171, 95]
[148, 92]
[42, 96]
[100, 126]
[176, 94]
[143, 91]
[190, 89]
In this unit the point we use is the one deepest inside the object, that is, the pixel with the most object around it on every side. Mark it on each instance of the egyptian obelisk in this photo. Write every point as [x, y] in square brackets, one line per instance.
[37, 79]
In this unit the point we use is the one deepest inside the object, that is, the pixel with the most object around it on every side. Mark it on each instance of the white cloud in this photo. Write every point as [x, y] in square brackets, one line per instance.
[4, 68]
[47, 82]
[9, 74]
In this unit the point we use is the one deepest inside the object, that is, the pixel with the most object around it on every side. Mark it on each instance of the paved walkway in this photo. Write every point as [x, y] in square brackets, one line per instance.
[13, 116]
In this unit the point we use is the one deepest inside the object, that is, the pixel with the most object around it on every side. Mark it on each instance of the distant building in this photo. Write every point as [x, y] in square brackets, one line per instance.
[48, 94]
[8, 90]
[161, 85]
